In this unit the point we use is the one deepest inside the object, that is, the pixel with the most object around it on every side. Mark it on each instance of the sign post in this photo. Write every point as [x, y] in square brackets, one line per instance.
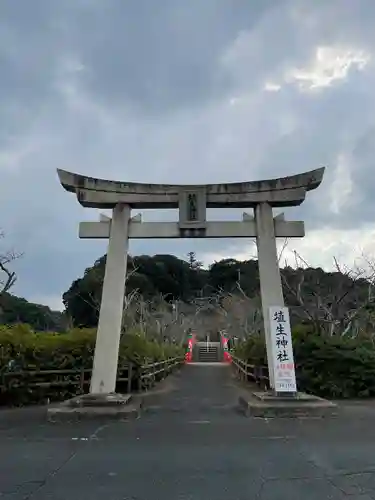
[282, 350]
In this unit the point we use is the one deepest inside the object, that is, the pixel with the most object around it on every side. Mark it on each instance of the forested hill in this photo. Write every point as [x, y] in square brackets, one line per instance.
[179, 280]
[41, 318]
[312, 292]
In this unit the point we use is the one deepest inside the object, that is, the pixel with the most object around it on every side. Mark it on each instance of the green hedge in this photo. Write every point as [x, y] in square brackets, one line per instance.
[22, 350]
[331, 367]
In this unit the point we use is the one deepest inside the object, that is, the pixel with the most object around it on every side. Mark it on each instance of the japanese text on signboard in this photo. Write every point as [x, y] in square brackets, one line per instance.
[282, 350]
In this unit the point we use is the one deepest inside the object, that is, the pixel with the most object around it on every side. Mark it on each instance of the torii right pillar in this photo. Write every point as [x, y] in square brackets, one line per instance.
[271, 290]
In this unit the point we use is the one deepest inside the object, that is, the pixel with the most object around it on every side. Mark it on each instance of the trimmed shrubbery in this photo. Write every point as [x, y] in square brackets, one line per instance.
[331, 367]
[22, 350]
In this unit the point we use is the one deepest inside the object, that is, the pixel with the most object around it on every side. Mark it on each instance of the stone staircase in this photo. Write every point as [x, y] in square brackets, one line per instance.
[207, 352]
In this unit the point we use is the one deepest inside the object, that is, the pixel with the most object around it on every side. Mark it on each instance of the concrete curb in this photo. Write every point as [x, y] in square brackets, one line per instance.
[313, 407]
[65, 412]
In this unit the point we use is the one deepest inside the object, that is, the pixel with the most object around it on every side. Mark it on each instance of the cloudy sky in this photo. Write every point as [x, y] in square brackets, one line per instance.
[184, 91]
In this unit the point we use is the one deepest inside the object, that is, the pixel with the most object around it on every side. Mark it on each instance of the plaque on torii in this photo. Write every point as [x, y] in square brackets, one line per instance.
[192, 213]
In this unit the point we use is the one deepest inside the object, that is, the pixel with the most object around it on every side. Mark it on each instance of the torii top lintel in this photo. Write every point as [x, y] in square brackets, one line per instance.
[101, 193]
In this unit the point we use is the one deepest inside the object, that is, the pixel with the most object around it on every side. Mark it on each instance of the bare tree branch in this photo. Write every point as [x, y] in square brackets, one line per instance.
[339, 308]
[285, 244]
[7, 276]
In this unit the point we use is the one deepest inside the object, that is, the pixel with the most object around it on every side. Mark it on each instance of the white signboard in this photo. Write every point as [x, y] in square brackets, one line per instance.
[282, 350]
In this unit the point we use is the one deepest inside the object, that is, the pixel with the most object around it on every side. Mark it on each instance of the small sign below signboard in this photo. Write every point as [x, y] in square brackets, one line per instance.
[282, 350]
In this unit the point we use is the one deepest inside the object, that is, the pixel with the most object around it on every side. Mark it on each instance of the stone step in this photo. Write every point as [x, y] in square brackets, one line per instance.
[207, 353]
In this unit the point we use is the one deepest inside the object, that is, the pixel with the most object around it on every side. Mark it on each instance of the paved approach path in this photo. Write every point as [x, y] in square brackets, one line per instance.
[191, 444]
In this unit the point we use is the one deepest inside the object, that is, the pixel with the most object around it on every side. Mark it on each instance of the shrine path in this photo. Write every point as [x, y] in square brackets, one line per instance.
[189, 444]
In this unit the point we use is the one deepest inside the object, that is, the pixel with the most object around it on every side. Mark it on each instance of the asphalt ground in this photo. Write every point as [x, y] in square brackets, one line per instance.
[191, 443]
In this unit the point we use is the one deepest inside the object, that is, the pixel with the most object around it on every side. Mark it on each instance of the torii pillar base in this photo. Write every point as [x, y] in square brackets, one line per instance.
[96, 406]
[267, 404]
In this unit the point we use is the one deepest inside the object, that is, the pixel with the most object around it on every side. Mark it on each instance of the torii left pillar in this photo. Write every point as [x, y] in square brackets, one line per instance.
[104, 373]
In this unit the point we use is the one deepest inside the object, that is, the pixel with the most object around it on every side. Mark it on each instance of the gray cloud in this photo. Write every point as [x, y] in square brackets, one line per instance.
[177, 92]
[161, 56]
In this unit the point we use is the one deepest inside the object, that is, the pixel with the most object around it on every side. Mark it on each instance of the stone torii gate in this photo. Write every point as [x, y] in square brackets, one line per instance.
[192, 202]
